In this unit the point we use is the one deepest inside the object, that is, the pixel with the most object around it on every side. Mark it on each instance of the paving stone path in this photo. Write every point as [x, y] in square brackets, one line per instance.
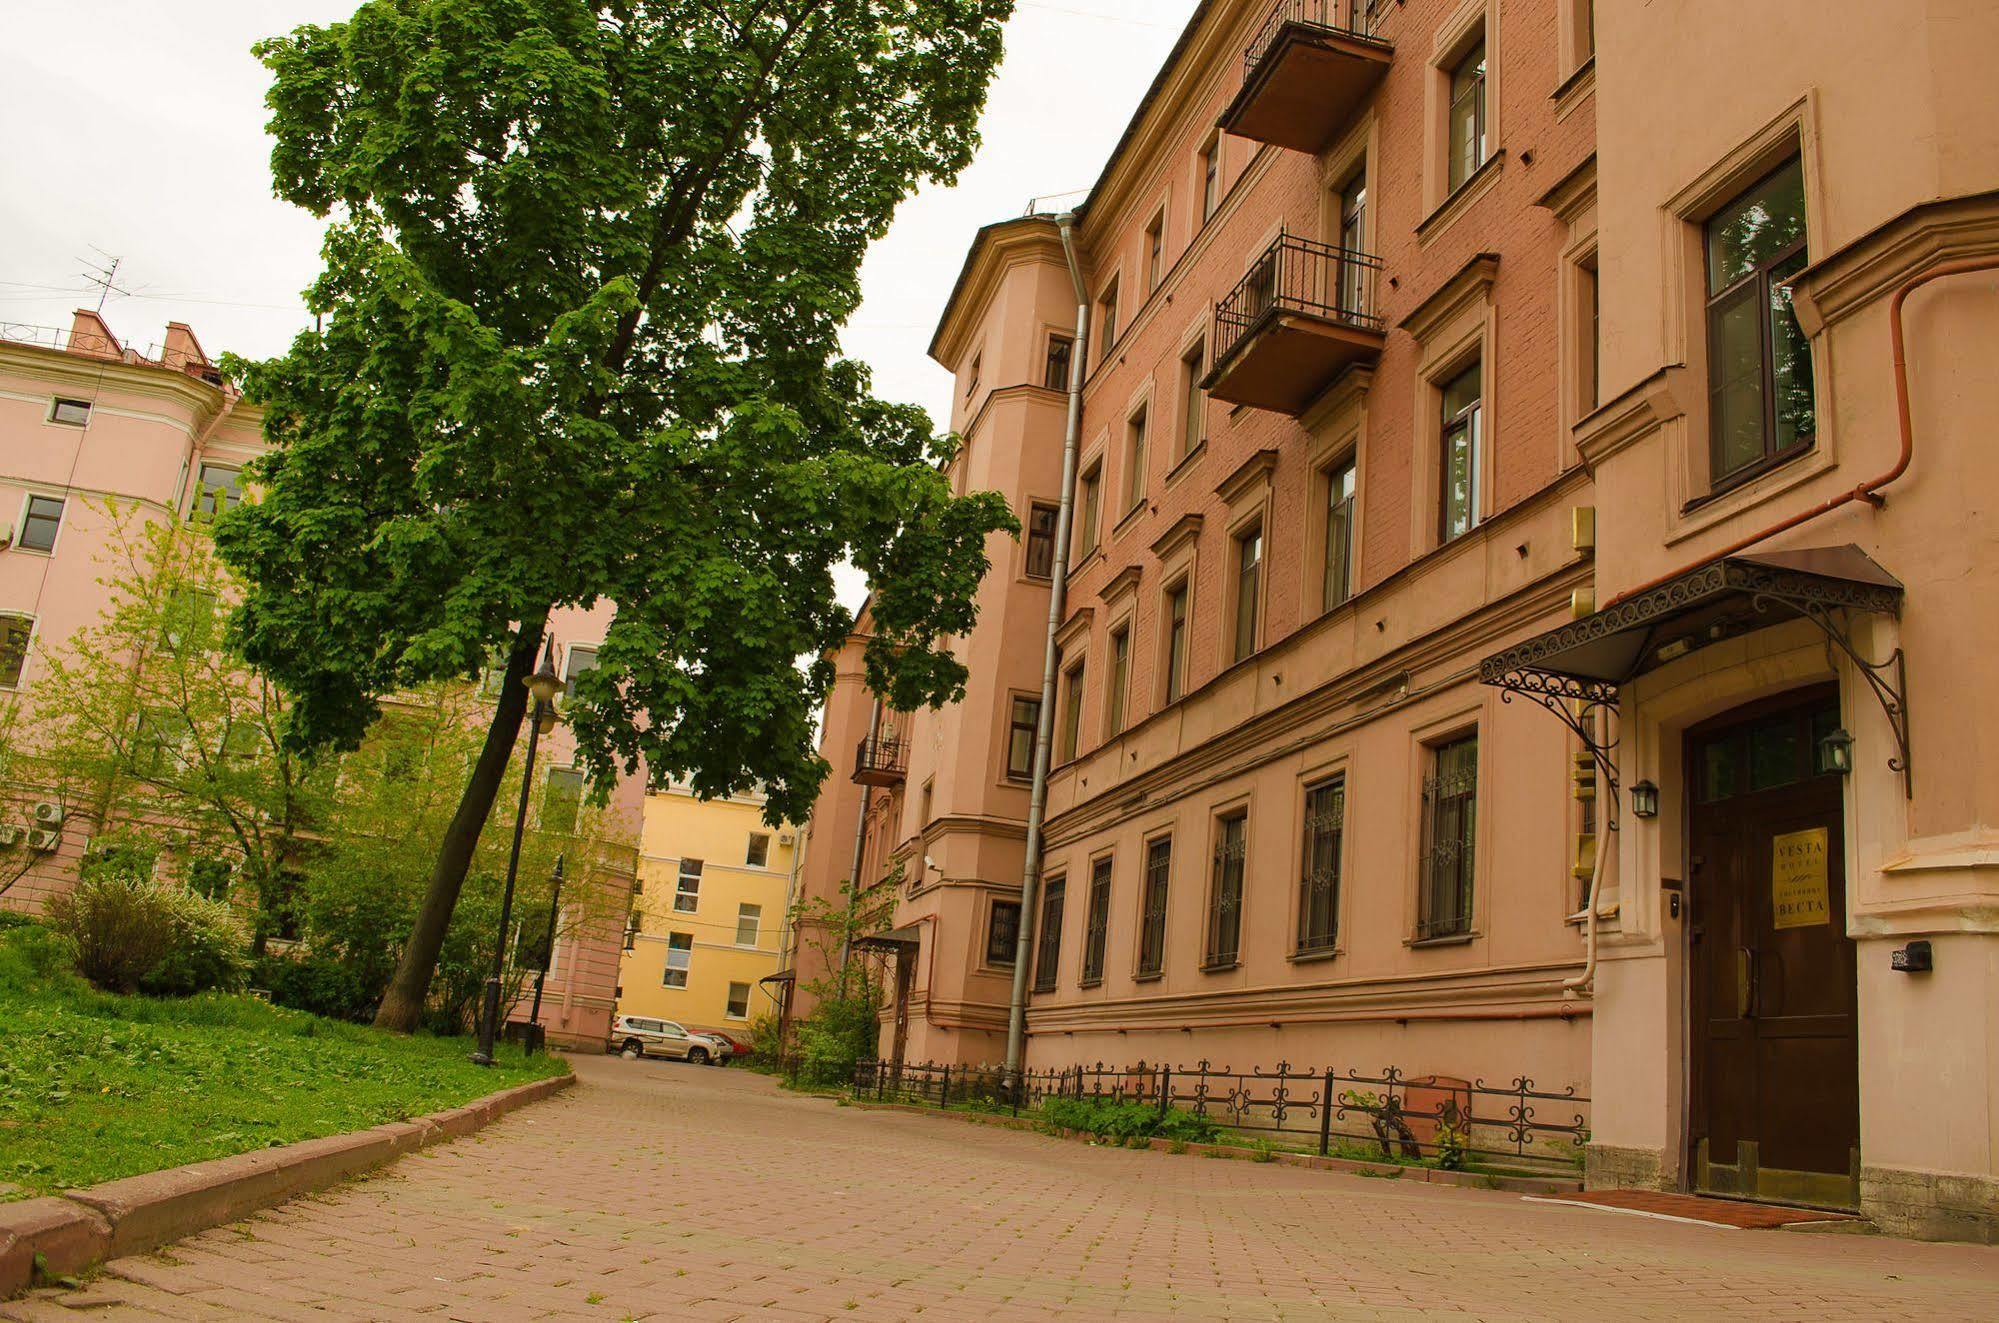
[665, 1191]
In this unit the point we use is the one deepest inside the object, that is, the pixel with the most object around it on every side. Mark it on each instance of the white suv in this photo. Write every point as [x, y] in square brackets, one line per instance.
[638, 1035]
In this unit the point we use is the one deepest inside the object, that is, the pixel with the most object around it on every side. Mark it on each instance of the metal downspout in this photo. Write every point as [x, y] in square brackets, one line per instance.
[860, 852]
[1030, 876]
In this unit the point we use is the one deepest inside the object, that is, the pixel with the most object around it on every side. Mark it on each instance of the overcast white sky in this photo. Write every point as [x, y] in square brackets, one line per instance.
[136, 131]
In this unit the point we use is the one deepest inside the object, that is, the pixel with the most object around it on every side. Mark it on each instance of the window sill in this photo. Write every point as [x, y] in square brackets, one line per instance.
[1451, 939]
[1129, 518]
[1315, 955]
[1745, 476]
[1152, 977]
[1460, 199]
[1040, 989]
[1220, 966]
[1089, 983]
[1187, 462]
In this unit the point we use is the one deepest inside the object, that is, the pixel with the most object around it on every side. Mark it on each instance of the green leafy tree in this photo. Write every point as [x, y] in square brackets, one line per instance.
[144, 724]
[583, 284]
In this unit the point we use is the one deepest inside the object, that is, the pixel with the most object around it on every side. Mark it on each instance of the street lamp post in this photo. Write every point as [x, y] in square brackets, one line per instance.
[547, 955]
[544, 684]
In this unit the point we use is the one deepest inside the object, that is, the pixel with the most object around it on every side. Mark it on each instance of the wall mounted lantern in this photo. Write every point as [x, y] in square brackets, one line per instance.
[1645, 800]
[1836, 752]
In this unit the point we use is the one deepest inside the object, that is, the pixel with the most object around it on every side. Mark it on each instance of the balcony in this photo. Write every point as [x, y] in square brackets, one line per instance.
[1303, 315]
[881, 760]
[1306, 72]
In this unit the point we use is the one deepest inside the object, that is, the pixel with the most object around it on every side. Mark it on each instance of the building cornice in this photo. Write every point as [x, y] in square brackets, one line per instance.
[1573, 193]
[1472, 281]
[199, 397]
[1186, 526]
[996, 249]
[1257, 468]
[1633, 415]
[1870, 267]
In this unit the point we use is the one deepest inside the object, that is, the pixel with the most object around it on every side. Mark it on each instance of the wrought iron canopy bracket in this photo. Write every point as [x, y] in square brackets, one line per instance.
[1575, 703]
[1887, 678]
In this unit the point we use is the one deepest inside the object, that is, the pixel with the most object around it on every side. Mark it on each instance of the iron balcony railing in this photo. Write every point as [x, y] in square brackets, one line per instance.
[880, 759]
[1343, 18]
[91, 345]
[1391, 1115]
[1299, 275]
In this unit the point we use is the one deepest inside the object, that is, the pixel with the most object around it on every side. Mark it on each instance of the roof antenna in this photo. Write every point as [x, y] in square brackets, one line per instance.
[104, 277]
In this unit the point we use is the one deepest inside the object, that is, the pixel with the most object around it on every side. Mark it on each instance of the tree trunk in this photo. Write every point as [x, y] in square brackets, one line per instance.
[403, 1002]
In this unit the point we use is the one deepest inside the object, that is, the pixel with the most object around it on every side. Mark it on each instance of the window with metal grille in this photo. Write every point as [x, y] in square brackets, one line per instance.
[1096, 932]
[679, 960]
[1319, 883]
[1048, 941]
[1041, 540]
[1450, 833]
[1152, 913]
[687, 895]
[1003, 932]
[1225, 896]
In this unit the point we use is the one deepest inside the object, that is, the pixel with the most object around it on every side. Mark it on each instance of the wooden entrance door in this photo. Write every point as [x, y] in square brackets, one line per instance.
[1775, 1069]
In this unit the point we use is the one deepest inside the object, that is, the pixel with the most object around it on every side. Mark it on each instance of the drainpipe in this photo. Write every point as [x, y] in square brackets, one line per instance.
[1606, 829]
[860, 850]
[1037, 803]
[1870, 490]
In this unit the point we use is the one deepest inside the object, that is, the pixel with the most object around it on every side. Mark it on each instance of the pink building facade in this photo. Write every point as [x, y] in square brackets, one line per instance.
[1453, 363]
[88, 422]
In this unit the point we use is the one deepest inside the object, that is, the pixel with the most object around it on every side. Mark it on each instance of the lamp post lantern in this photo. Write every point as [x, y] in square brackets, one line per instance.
[544, 684]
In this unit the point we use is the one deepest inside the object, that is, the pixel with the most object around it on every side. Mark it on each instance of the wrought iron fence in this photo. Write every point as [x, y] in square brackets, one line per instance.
[1391, 1115]
[1301, 275]
[93, 345]
[881, 758]
[1346, 18]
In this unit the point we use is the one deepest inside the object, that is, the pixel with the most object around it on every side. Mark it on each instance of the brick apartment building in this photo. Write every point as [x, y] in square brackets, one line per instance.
[1477, 506]
[87, 420]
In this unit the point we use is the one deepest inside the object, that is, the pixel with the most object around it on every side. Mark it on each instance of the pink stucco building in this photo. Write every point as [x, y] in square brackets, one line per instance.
[1469, 517]
[87, 420]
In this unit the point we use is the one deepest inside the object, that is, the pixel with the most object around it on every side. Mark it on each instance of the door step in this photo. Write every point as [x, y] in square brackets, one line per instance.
[1732, 1213]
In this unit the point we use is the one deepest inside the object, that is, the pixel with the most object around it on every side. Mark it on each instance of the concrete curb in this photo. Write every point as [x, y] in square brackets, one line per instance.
[78, 1229]
[1469, 1180]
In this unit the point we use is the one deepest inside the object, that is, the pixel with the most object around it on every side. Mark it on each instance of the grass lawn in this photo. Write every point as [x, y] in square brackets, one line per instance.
[94, 1087]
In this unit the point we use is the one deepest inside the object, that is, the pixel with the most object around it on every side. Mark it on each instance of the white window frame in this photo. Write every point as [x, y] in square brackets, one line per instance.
[21, 523]
[686, 966]
[57, 401]
[755, 920]
[27, 646]
[681, 891]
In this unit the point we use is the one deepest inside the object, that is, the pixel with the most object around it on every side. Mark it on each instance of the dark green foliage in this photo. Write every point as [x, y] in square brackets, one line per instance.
[839, 1036]
[1121, 1122]
[130, 933]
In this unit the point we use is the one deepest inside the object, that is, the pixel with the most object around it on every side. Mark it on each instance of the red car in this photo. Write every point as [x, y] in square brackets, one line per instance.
[739, 1046]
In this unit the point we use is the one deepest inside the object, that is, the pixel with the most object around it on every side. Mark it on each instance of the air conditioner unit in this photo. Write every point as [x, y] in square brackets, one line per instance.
[48, 813]
[786, 838]
[10, 834]
[43, 842]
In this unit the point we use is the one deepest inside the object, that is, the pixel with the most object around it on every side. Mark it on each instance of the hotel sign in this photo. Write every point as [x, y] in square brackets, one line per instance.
[1798, 879]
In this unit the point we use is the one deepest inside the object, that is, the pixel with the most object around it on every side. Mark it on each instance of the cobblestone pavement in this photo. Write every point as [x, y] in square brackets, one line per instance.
[664, 1191]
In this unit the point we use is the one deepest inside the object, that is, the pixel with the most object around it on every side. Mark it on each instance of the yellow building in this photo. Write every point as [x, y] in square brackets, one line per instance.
[709, 914]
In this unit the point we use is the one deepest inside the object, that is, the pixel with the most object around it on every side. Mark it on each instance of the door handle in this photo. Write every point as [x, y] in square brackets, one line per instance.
[1745, 983]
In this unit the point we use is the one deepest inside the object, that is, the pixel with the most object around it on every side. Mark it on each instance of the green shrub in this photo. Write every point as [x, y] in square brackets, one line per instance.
[1123, 1122]
[840, 1034]
[320, 984]
[129, 933]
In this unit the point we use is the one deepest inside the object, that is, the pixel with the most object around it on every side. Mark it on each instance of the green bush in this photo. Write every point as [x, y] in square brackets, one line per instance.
[1123, 1122]
[840, 1034]
[129, 933]
[320, 984]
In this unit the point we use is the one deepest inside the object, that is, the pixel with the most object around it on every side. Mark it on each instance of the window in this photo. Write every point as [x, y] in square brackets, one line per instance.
[1041, 521]
[687, 892]
[1072, 711]
[1090, 500]
[1155, 252]
[1003, 933]
[41, 519]
[562, 800]
[1759, 362]
[216, 490]
[1152, 913]
[972, 377]
[758, 853]
[749, 921]
[739, 1001]
[1249, 571]
[1022, 727]
[188, 619]
[1319, 883]
[1176, 642]
[1450, 814]
[1225, 896]
[1352, 286]
[578, 660]
[679, 959]
[70, 413]
[1055, 373]
[1096, 931]
[1120, 681]
[1107, 319]
[1457, 506]
[1048, 944]
[1211, 177]
[1467, 117]
[1339, 535]
[1193, 427]
[1134, 460]
[1589, 377]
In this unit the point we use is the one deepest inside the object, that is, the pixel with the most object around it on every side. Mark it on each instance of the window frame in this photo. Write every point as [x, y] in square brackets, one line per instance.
[1117, 686]
[1176, 638]
[1155, 251]
[752, 913]
[1321, 872]
[1155, 895]
[1193, 399]
[29, 516]
[1039, 542]
[1433, 925]
[1459, 170]
[729, 1010]
[233, 492]
[578, 659]
[1467, 425]
[1208, 173]
[1335, 592]
[1247, 552]
[550, 797]
[1015, 726]
[1107, 319]
[683, 892]
[754, 858]
[1226, 888]
[1097, 922]
[1136, 435]
[58, 402]
[1048, 936]
[681, 944]
[1056, 363]
[1069, 739]
[994, 959]
[1090, 503]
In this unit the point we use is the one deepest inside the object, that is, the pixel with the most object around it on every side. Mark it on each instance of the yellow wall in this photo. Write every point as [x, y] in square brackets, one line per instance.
[680, 827]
